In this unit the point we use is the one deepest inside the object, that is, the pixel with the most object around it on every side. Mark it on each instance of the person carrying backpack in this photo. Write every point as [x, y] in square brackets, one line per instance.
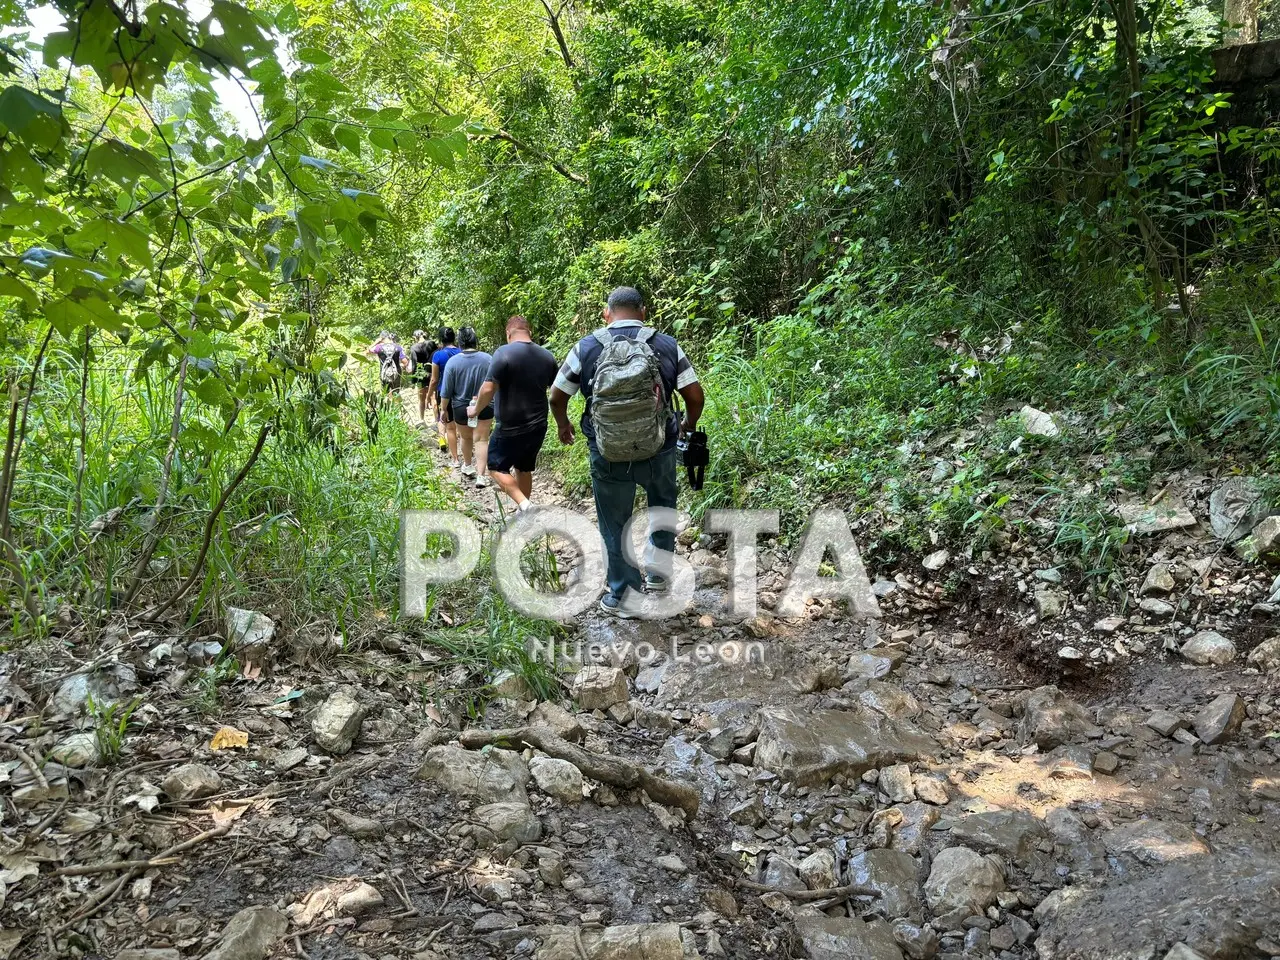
[391, 360]
[420, 353]
[627, 373]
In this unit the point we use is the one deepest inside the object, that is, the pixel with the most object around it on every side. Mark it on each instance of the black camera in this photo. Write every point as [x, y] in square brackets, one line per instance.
[694, 455]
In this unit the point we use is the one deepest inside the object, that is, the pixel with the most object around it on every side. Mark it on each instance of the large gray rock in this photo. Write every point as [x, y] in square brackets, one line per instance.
[1037, 423]
[895, 783]
[336, 723]
[1049, 601]
[909, 835]
[845, 938]
[1219, 906]
[640, 941]
[1154, 841]
[353, 825]
[508, 820]
[892, 874]
[810, 748]
[511, 685]
[488, 776]
[191, 781]
[1168, 512]
[1010, 833]
[1165, 722]
[751, 671]
[1208, 647]
[962, 879]
[77, 750]
[1221, 719]
[558, 720]
[250, 934]
[818, 870]
[868, 665]
[919, 942]
[248, 631]
[1266, 655]
[599, 688]
[557, 778]
[1235, 508]
[1159, 579]
[1051, 719]
[1266, 539]
[104, 687]
[891, 700]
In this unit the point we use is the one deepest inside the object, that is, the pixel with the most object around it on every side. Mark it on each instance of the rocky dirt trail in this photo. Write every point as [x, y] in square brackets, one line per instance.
[925, 785]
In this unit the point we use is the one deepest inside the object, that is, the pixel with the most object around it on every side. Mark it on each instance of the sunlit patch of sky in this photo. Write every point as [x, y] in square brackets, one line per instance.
[231, 97]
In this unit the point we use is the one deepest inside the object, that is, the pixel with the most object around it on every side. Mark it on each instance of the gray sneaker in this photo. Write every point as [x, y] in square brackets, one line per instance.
[610, 604]
[656, 583]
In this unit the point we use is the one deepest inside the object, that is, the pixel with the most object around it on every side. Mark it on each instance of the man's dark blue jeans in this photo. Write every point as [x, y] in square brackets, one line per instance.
[614, 486]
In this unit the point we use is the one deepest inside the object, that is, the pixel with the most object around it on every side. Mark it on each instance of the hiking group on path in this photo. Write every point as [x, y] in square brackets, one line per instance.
[627, 372]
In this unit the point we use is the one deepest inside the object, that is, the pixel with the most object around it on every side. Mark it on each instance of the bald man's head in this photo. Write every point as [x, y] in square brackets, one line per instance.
[518, 329]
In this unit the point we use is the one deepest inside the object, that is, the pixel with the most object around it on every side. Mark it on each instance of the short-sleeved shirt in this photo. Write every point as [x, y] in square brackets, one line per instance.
[464, 375]
[523, 372]
[420, 356]
[441, 359]
[579, 368]
[392, 350]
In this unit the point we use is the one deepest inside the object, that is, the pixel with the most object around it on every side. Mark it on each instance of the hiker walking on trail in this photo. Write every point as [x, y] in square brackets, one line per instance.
[628, 372]
[391, 360]
[520, 374]
[463, 377]
[420, 369]
[444, 415]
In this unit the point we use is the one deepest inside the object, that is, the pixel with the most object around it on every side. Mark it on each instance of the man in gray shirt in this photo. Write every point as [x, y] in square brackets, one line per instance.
[464, 375]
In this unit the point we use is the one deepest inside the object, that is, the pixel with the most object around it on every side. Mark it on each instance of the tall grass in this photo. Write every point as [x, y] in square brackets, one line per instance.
[311, 533]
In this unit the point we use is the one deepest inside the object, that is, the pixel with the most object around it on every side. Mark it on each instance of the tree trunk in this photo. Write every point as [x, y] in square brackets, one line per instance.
[1242, 22]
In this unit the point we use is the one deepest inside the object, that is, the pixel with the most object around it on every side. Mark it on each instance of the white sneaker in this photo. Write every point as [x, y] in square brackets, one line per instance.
[482, 482]
[468, 470]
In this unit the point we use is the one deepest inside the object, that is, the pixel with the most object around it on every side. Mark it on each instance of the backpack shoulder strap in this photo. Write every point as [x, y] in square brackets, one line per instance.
[603, 336]
[646, 334]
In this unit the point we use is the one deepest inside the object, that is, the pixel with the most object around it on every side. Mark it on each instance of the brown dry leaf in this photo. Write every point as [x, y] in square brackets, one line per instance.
[225, 811]
[229, 738]
[252, 671]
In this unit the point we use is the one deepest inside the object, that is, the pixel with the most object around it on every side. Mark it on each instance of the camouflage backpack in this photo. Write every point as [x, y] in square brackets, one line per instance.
[628, 406]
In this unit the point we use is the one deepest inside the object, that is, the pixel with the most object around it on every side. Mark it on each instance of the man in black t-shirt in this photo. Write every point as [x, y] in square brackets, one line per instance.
[520, 374]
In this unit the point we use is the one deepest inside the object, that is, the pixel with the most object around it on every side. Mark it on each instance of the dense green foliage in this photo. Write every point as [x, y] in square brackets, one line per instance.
[875, 222]
[180, 423]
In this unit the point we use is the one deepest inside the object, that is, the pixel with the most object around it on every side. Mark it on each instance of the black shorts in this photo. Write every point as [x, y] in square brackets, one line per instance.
[459, 413]
[444, 412]
[516, 451]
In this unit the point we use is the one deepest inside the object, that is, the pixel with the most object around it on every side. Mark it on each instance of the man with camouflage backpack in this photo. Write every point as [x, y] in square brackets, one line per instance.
[628, 372]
